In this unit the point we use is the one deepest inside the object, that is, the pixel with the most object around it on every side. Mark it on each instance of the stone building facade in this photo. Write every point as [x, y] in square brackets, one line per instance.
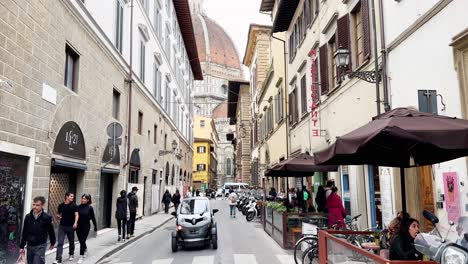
[240, 115]
[225, 149]
[62, 83]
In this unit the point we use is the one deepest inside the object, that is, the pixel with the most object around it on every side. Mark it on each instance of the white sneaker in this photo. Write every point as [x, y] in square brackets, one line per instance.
[80, 260]
[71, 258]
[85, 254]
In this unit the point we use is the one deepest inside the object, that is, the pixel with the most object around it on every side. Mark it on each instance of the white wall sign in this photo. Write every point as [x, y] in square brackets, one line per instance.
[386, 195]
[49, 94]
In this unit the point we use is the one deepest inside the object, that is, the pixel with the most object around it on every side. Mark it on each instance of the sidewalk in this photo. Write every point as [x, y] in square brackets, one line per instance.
[105, 244]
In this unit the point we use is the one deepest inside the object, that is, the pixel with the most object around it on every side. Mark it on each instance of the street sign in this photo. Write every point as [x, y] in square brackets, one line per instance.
[118, 141]
[114, 129]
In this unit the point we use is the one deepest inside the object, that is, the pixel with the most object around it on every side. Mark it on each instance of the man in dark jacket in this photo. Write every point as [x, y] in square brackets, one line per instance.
[37, 226]
[132, 206]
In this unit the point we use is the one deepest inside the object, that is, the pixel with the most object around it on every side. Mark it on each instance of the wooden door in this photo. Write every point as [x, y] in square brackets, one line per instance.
[426, 194]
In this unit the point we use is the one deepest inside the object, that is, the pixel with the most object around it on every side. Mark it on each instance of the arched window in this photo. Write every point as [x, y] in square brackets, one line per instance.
[166, 179]
[173, 175]
[228, 166]
[224, 89]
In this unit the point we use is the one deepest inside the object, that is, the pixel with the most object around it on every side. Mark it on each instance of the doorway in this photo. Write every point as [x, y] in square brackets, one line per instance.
[107, 190]
[13, 170]
[62, 180]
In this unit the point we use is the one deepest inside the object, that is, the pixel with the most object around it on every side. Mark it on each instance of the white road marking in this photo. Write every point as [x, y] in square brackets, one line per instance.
[163, 261]
[203, 260]
[285, 259]
[244, 259]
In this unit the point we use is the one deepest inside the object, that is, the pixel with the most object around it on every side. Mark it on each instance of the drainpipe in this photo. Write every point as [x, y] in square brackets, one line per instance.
[383, 50]
[376, 58]
[286, 108]
[130, 82]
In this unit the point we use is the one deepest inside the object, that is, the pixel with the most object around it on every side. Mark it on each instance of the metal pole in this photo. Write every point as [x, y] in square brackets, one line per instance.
[403, 189]
[376, 58]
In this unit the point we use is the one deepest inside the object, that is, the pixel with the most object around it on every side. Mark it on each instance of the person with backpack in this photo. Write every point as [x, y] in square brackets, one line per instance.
[166, 200]
[37, 227]
[122, 214]
[86, 214]
[232, 201]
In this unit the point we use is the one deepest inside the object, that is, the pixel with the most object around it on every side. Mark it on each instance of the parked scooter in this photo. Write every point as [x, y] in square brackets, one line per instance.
[435, 246]
[253, 211]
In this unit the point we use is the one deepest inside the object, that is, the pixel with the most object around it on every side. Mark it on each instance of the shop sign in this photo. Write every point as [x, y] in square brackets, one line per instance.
[112, 154]
[314, 94]
[452, 196]
[70, 141]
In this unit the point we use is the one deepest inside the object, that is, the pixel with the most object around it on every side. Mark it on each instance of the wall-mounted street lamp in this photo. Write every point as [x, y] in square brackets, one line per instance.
[342, 57]
[165, 152]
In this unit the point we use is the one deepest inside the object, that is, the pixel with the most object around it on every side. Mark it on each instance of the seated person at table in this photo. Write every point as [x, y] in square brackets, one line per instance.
[402, 246]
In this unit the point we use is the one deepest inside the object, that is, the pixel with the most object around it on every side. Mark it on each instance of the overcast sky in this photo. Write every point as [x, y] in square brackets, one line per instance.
[235, 16]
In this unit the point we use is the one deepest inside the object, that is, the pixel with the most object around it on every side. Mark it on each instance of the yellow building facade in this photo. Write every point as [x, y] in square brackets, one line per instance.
[206, 139]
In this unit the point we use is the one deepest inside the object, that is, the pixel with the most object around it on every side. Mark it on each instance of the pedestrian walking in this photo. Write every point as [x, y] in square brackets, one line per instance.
[197, 192]
[122, 214]
[132, 206]
[336, 211]
[68, 214]
[232, 200]
[176, 199]
[86, 214]
[36, 228]
[166, 200]
[321, 199]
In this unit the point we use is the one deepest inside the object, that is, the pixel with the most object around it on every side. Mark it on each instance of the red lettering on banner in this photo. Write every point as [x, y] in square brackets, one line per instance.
[314, 94]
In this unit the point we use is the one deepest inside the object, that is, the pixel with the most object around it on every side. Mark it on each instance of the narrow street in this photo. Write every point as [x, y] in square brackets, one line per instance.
[239, 242]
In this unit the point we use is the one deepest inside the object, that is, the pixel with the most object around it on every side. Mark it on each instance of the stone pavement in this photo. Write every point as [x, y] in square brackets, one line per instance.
[105, 243]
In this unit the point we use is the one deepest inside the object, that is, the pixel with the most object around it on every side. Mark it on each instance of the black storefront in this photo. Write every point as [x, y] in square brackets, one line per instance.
[109, 177]
[66, 173]
[13, 172]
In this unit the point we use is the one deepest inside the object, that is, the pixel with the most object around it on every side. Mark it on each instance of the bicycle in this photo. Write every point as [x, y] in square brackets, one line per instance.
[306, 249]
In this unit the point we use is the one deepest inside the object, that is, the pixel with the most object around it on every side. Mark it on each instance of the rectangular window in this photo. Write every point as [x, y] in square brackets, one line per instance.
[357, 36]
[201, 149]
[303, 95]
[202, 123]
[427, 100]
[140, 122]
[280, 110]
[165, 141]
[119, 26]
[71, 68]
[155, 134]
[270, 119]
[142, 61]
[293, 111]
[201, 167]
[115, 104]
[167, 97]
[156, 82]
[332, 69]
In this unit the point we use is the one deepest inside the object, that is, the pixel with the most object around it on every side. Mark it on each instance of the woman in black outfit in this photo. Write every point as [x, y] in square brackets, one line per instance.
[402, 246]
[176, 200]
[122, 214]
[86, 214]
[166, 201]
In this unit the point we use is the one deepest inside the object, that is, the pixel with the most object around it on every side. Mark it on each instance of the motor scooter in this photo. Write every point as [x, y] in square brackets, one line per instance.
[436, 247]
[253, 211]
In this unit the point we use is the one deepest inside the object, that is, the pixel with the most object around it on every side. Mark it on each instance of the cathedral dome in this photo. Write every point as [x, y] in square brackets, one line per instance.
[214, 44]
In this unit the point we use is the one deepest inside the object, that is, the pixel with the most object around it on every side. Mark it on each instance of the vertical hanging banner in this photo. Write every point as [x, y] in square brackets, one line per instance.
[452, 195]
[314, 94]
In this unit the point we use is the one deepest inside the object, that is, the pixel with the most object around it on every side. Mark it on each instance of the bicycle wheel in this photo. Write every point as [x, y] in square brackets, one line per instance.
[303, 245]
[310, 256]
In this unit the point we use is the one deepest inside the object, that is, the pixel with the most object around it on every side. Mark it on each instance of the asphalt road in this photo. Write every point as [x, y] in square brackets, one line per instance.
[239, 242]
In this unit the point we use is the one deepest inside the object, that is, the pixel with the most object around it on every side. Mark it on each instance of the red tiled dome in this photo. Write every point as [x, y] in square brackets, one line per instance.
[220, 111]
[222, 50]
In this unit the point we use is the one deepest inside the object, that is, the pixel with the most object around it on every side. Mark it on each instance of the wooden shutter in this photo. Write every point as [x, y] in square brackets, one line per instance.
[343, 40]
[366, 29]
[323, 54]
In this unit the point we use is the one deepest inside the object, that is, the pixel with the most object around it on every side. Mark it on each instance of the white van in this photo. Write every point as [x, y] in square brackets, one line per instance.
[236, 186]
